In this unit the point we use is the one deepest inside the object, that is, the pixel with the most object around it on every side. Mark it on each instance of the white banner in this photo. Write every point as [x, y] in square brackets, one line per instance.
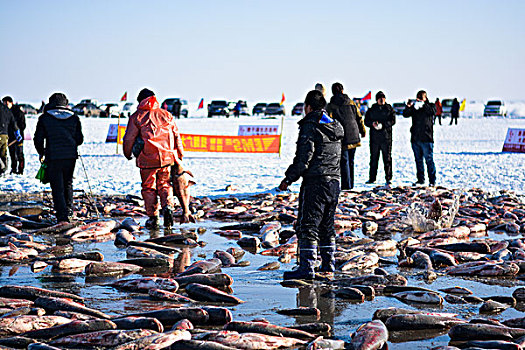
[515, 141]
[254, 130]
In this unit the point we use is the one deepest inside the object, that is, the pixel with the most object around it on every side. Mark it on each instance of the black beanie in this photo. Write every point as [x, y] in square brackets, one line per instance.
[58, 99]
[144, 93]
[380, 94]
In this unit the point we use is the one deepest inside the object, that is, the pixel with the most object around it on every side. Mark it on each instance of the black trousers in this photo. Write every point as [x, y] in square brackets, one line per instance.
[347, 168]
[317, 204]
[454, 119]
[384, 148]
[60, 174]
[16, 152]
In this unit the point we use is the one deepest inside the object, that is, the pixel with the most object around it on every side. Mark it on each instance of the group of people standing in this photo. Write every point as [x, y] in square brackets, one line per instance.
[454, 111]
[328, 137]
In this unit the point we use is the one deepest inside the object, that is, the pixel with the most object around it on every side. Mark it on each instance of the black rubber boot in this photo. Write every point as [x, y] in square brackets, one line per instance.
[307, 259]
[152, 222]
[168, 217]
[327, 253]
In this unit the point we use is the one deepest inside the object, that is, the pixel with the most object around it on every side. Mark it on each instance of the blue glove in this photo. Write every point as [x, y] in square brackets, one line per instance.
[18, 137]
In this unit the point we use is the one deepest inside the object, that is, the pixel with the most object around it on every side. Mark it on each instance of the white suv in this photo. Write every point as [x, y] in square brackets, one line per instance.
[495, 108]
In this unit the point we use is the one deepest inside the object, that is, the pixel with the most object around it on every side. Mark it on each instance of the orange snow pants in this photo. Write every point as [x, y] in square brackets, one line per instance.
[156, 182]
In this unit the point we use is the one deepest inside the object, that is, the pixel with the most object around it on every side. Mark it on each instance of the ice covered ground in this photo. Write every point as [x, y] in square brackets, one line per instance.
[468, 155]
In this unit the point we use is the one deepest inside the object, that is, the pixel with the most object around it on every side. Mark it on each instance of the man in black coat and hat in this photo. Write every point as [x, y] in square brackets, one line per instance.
[57, 137]
[16, 147]
[380, 118]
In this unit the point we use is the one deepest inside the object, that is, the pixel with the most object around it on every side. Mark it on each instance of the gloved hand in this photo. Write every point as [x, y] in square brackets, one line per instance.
[18, 137]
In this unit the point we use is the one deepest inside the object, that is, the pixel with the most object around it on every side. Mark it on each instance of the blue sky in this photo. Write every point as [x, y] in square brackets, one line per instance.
[255, 50]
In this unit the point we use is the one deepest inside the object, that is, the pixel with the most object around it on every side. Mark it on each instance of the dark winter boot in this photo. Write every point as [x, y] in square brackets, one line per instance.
[307, 259]
[152, 222]
[327, 252]
[168, 216]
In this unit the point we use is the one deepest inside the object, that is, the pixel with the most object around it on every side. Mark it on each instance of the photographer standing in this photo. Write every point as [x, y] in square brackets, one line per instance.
[380, 118]
[422, 136]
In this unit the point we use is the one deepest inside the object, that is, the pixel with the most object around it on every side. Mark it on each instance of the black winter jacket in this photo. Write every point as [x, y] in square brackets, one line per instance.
[385, 115]
[318, 154]
[7, 121]
[422, 129]
[20, 120]
[344, 110]
[58, 134]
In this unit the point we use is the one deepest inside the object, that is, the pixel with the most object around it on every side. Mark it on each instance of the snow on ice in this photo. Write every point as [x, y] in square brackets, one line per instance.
[468, 155]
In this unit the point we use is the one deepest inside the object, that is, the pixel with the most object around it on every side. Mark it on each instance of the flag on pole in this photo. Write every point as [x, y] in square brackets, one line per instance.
[367, 96]
[463, 103]
[201, 104]
[282, 99]
[124, 97]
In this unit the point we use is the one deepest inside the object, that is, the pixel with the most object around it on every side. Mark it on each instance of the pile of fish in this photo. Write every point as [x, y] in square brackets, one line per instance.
[386, 238]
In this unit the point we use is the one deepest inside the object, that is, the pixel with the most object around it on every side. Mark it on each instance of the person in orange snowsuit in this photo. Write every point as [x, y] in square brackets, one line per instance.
[162, 150]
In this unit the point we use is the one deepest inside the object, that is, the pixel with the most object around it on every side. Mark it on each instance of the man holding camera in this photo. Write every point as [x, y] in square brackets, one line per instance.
[422, 136]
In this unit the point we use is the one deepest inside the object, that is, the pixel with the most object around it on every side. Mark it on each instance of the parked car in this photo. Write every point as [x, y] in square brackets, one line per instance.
[114, 110]
[27, 108]
[244, 108]
[87, 110]
[89, 100]
[259, 108]
[446, 106]
[298, 109]
[274, 109]
[169, 102]
[128, 109]
[495, 108]
[399, 107]
[219, 107]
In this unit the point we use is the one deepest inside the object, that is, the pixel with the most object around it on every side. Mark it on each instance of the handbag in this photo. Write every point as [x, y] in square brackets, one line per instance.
[41, 175]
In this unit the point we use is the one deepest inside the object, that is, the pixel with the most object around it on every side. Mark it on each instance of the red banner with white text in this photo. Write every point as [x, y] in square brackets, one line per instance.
[231, 144]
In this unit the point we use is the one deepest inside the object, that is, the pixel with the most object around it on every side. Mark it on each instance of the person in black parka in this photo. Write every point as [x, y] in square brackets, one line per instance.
[16, 148]
[317, 161]
[380, 118]
[57, 137]
[422, 136]
[454, 112]
[8, 128]
[346, 112]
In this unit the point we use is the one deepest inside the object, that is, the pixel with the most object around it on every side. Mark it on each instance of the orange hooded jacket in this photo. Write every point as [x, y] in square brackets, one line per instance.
[162, 142]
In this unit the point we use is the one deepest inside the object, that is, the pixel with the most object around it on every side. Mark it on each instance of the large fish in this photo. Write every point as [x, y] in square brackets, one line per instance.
[479, 331]
[213, 279]
[203, 292]
[142, 252]
[484, 269]
[63, 304]
[253, 341]
[370, 336]
[9, 303]
[73, 327]
[32, 293]
[419, 297]
[420, 321]
[200, 345]
[168, 317]
[98, 230]
[133, 322]
[360, 262]
[144, 284]
[110, 268]
[218, 316]
[202, 266]
[26, 323]
[107, 338]
[267, 328]
[159, 294]
[156, 341]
